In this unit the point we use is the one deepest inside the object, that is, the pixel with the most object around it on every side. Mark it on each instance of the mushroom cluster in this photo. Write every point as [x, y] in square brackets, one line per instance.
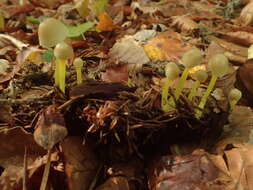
[52, 33]
[218, 65]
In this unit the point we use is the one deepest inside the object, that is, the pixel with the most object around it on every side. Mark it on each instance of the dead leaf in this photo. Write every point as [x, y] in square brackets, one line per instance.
[80, 162]
[188, 172]
[167, 46]
[105, 22]
[246, 16]
[185, 24]
[127, 50]
[50, 128]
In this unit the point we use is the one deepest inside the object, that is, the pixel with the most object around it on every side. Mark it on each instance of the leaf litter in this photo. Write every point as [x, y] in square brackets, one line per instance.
[110, 132]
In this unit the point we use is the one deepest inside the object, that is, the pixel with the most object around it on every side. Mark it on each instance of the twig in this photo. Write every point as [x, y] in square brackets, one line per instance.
[46, 171]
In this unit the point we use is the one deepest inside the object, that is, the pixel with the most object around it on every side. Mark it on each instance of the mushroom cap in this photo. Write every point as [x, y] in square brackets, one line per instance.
[63, 51]
[201, 75]
[219, 65]
[78, 62]
[192, 58]
[172, 71]
[51, 32]
[234, 94]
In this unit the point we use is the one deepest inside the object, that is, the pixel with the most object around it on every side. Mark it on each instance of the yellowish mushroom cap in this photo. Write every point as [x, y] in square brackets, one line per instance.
[172, 71]
[63, 51]
[234, 95]
[78, 62]
[192, 58]
[201, 75]
[51, 32]
[219, 65]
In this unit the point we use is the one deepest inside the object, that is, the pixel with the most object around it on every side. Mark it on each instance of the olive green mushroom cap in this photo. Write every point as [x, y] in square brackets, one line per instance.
[234, 95]
[192, 58]
[201, 75]
[219, 65]
[63, 51]
[172, 71]
[51, 32]
[78, 62]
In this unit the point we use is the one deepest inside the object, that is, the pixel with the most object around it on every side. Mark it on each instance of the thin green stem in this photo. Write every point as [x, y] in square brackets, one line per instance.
[165, 93]
[193, 90]
[79, 75]
[181, 83]
[62, 74]
[205, 96]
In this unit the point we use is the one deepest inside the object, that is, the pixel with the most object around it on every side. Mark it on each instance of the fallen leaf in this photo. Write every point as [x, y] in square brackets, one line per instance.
[127, 50]
[167, 46]
[105, 22]
[80, 162]
[246, 16]
[184, 23]
[50, 128]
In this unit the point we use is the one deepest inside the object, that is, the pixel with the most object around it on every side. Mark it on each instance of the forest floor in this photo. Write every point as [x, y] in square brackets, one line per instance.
[108, 128]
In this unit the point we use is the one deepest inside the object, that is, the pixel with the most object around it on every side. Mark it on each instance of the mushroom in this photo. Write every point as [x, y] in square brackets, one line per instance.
[233, 97]
[219, 66]
[201, 77]
[51, 32]
[62, 53]
[78, 63]
[171, 72]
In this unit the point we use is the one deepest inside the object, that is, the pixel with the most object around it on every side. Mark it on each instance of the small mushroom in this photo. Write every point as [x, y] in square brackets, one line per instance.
[219, 66]
[201, 77]
[62, 53]
[234, 96]
[78, 63]
[171, 72]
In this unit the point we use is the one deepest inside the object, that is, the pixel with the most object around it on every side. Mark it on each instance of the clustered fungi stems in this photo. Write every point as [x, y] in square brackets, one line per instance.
[171, 72]
[205, 96]
[194, 90]
[165, 90]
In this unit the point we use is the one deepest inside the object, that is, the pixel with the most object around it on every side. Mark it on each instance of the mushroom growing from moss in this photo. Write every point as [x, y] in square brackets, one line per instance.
[201, 77]
[62, 53]
[78, 63]
[51, 32]
[219, 66]
[233, 97]
[171, 72]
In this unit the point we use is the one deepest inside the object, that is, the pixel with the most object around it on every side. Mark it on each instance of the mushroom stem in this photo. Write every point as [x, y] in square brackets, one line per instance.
[61, 73]
[193, 90]
[79, 75]
[181, 83]
[165, 89]
[205, 96]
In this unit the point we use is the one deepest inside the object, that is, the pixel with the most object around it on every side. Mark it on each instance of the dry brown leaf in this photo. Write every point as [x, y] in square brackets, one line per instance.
[50, 128]
[193, 171]
[170, 45]
[127, 50]
[246, 17]
[239, 164]
[184, 23]
[105, 22]
[241, 37]
[80, 162]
